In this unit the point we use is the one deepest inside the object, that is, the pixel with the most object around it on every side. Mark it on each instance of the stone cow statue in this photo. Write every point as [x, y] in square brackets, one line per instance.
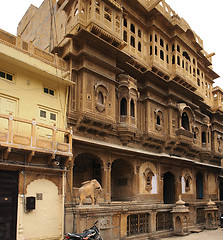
[90, 189]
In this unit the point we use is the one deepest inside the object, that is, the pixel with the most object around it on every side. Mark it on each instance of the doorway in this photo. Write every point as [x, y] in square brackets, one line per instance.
[168, 188]
[199, 185]
[8, 204]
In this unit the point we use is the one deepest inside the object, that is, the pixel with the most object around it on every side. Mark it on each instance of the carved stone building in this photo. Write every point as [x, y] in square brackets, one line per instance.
[147, 121]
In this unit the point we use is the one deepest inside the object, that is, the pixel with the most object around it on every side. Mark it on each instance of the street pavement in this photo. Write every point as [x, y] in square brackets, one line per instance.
[205, 235]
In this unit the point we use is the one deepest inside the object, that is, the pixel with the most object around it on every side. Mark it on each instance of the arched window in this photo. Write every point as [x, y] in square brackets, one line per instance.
[173, 59]
[132, 108]
[139, 33]
[132, 41]
[125, 22]
[132, 28]
[139, 47]
[178, 48]
[178, 60]
[125, 36]
[161, 54]
[185, 121]
[158, 122]
[203, 137]
[123, 107]
[185, 54]
[100, 98]
[161, 42]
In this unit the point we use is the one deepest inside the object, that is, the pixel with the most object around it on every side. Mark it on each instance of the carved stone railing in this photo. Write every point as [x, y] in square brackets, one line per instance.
[16, 136]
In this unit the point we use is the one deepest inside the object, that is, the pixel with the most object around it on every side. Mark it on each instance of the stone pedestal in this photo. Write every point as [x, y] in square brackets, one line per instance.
[180, 218]
[211, 212]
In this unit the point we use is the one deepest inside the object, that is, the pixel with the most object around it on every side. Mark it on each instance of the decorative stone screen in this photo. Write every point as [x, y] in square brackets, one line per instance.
[137, 224]
[164, 221]
[200, 216]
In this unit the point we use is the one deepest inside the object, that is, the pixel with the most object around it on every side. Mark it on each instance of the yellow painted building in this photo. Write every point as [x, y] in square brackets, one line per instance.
[35, 143]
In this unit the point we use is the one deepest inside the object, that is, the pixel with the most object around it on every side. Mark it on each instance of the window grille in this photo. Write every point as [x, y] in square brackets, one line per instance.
[6, 76]
[164, 221]
[137, 224]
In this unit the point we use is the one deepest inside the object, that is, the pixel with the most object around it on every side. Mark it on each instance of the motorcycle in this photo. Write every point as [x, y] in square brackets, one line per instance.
[89, 233]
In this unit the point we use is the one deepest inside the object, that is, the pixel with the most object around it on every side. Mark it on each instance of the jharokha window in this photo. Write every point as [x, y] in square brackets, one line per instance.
[132, 108]
[123, 107]
[185, 121]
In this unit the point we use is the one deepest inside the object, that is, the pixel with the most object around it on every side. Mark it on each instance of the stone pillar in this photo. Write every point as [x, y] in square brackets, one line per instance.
[123, 225]
[152, 226]
[180, 218]
[107, 182]
[211, 212]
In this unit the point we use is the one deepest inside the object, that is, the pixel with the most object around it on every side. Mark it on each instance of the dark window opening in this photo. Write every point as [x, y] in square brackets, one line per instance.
[139, 33]
[125, 36]
[185, 121]
[203, 137]
[167, 47]
[173, 59]
[150, 37]
[53, 116]
[198, 82]
[139, 47]
[46, 90]
[178, 48]
[132, 28]
[132, 108]
[125, 22]
[161, 54]
[158, 122]
[173, 47]
[187, 183]
[167, 58]
[42, 114]
[6, 76]
[156, 50]
[195, 135]
[161, 42]
[178, 60]
[156, 38]
[132, 41]
[2, 74]
[151, 50]
[123, 107]
[185, 54]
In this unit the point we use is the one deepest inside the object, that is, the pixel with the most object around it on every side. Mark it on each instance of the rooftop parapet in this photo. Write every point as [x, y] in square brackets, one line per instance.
[29, 49]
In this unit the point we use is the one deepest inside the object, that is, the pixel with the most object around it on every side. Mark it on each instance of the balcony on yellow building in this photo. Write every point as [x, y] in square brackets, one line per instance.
[17, 134]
